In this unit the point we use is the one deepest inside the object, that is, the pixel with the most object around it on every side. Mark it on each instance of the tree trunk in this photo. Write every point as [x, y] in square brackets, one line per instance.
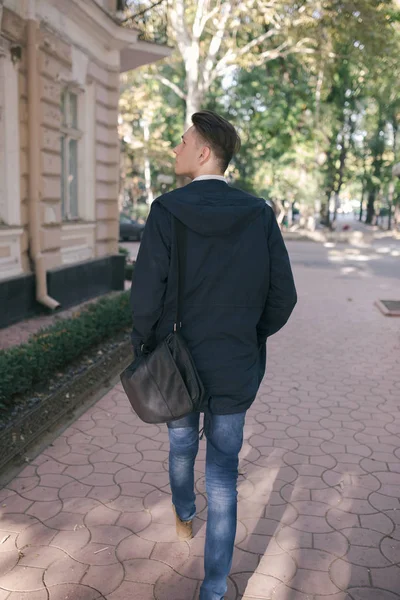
[281, 214]
[343, 155]
[318, 89]
[147, 169]
[147, 181]
[325, 210]
[193, 102]
[392, 182]
[134, 200]
[335, 209]
[396, 216]
[390, 202]
[360, 216]
[377, 148]
[194, 94]
[371, 206]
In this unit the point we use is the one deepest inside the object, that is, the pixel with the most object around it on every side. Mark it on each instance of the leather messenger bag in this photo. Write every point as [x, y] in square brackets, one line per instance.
[164, 385]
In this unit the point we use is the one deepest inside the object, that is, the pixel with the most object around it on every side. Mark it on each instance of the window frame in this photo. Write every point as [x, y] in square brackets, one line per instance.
[10, 149]
[69, 131]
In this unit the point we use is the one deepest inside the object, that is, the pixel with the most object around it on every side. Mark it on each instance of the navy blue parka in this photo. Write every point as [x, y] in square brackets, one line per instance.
[238, 290]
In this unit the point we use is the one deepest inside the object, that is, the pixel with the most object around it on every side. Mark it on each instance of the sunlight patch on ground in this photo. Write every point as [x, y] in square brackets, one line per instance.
[352, 251]
[342, 258]
[359, 271]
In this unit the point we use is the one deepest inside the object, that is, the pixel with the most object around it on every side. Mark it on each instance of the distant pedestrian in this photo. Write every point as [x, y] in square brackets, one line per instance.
[238, 291]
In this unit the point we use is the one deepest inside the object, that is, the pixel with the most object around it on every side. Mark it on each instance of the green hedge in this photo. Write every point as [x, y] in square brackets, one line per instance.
[129, 264]
[53, 348]
[124, 251]
[129, 271]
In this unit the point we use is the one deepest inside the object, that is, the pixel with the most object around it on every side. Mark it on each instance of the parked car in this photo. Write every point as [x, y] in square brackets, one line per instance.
[129, 229]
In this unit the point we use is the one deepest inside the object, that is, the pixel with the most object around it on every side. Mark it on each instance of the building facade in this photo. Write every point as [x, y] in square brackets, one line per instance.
[59, 151]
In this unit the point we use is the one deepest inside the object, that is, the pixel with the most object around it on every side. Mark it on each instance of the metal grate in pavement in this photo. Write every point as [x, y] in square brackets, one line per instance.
[390, 308]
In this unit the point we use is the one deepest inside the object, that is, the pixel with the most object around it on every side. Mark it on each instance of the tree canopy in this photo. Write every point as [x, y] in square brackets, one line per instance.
[313, 87]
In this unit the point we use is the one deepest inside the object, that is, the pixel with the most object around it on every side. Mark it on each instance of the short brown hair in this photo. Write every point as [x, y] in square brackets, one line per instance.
[219, 133]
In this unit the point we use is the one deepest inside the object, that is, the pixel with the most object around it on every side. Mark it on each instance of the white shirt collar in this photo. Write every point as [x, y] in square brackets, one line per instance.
[203, 177]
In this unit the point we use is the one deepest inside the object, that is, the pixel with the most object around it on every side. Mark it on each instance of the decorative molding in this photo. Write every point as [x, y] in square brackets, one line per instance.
[4, 45]
[88, 27]
[79, 66]
[10, 264]
[90, 17]
[7, 231]
[10, 194]
[87, 167]
[142, 53]
[75, 41]
[50, 215]
[78, 226]
[72, 249]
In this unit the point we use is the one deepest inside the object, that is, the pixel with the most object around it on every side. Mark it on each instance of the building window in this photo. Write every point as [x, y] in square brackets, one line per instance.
[10, 151]
[70, 136]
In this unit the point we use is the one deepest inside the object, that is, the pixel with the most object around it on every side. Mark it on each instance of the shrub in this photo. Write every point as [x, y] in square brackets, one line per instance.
[129, 271]
[124, 251]
[56, 346]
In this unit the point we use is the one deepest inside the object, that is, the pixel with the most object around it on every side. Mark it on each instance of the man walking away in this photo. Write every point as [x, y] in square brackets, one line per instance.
[238, 291]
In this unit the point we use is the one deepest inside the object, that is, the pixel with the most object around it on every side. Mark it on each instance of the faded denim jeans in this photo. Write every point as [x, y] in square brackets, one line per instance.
[224, 435]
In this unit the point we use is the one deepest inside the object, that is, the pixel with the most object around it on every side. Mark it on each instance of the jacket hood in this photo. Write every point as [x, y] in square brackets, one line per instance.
[212, 207]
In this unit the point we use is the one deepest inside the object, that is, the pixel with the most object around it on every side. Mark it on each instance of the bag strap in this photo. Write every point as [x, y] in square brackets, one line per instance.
[180, 237]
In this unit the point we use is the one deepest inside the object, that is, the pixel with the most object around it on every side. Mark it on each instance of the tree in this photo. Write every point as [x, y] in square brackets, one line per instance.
[271, 106]
[343, 100]
[350, 39]
[301, 81]
[384, 114]
[146, 125]
[215, 37]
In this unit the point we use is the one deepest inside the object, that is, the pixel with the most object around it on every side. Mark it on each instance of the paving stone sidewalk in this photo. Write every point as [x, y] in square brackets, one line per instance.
[319, 510]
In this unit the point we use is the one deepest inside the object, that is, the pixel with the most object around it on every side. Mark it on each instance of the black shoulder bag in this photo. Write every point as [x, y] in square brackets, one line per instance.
[164, 385]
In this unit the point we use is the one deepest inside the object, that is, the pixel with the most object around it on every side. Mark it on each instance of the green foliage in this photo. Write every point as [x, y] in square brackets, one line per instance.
[145, 101]
[53, 348]
[129, 271]
[124, 251]
[140, 212]
[312, 86]
[272, 108]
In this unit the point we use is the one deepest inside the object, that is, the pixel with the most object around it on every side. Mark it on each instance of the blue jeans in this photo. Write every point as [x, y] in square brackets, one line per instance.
[224, 435]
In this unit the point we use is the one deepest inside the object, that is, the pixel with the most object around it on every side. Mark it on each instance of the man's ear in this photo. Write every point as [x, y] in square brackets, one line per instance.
[205, 154]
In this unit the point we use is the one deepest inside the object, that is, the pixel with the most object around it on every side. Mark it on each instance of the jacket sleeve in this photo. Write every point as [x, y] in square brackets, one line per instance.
[282, 296]
[150, 276]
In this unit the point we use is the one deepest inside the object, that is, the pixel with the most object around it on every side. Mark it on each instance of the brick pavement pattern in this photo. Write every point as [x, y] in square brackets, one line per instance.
[319, 510]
